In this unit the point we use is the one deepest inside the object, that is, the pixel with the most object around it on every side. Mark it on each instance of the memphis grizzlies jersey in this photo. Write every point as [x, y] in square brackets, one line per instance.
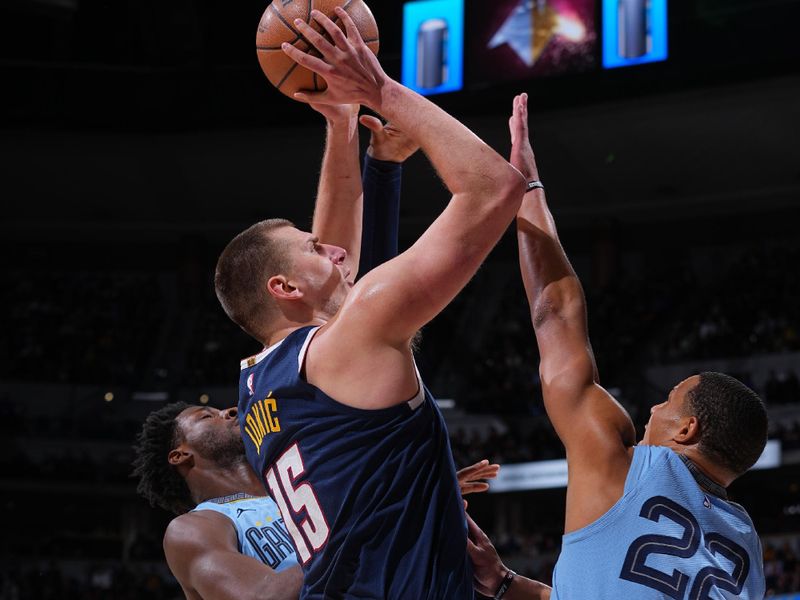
[370, 497]
[259, 527]
[666, 538]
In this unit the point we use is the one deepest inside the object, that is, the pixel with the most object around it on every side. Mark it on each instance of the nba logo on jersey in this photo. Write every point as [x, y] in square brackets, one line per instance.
[250, 384]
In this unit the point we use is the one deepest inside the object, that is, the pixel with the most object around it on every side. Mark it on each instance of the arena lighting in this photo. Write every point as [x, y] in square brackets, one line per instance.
[548, 474]
[204, 398]
[109, 396]
[151, 396]
[570, 28]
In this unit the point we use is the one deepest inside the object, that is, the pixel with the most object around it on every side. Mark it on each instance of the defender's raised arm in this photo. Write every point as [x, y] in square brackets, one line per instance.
[595, 429]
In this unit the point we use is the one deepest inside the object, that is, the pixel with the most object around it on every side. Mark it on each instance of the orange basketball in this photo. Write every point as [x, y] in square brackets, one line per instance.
[277, 27]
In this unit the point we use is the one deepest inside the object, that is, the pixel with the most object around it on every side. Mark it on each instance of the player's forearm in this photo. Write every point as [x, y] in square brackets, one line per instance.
[281, 586]
[465, 163]
[381, 182]
[550, 281]
[338, 210]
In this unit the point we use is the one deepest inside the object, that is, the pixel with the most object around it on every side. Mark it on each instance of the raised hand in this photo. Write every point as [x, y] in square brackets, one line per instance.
[351, 70]
[387, 142]
[521, 151]
[469, 478]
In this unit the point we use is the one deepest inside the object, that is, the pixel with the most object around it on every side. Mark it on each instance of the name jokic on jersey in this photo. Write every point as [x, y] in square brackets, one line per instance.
[261, 420]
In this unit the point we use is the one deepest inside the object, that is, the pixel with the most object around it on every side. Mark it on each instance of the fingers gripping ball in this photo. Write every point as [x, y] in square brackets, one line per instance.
[277, 27]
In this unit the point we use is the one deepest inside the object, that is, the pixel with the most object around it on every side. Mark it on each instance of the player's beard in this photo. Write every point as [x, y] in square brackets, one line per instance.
[224, 447]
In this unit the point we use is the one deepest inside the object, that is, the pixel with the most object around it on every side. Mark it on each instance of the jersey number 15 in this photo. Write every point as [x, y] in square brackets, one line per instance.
[312, 534]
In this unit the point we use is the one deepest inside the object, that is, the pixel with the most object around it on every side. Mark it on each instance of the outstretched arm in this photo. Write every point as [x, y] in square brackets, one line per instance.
[486, 190]
[382, 172]
[373, 330]
[338, 209]
[595, 429]
[490, 572]
[202, 552]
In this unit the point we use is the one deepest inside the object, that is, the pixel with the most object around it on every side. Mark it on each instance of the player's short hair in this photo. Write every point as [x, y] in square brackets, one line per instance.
[159, 482]
[733, 421]
[244, 268]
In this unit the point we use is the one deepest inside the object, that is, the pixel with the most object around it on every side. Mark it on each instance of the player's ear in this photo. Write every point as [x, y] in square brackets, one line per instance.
[279, 288]
[180, 456]
[688, 431]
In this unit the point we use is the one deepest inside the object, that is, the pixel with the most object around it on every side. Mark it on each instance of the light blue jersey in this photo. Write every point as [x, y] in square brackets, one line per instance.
[259, 527]
[667, 537]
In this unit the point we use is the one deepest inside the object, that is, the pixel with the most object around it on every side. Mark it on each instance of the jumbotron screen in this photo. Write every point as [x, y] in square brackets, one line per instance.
[449, 45]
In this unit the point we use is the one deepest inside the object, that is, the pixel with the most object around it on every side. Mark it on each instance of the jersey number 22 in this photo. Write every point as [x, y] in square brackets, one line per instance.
[674, 584]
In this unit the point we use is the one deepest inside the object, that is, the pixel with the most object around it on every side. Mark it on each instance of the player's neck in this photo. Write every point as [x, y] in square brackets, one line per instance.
[215, 482]
[708, 468]
[287, 327]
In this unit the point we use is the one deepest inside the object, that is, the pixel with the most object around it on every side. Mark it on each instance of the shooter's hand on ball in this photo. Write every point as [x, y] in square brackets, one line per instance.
[387, 142]
[353, 74]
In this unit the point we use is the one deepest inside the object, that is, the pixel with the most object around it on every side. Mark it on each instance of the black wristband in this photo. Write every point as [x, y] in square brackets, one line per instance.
[534, 185]
[504, 585]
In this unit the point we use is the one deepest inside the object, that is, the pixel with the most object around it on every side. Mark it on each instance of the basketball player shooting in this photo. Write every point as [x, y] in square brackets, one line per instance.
[228, 540]
[333, 412]
[648, 521]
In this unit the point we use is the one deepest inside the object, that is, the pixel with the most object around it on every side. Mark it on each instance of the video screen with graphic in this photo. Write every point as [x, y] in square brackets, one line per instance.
[450, 45]
[433, 43]
[520, 39]
[634, 32]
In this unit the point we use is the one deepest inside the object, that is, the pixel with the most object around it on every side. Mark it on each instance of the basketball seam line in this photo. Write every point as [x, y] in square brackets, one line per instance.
[285, 22]
[288, 73]
[300, 36]
[276, 48]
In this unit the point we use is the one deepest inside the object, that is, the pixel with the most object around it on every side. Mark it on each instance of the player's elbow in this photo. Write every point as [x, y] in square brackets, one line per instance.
[560, 301]
[509, 186]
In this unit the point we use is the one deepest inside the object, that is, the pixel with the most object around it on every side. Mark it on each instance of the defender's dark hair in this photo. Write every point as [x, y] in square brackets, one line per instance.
[159, 482]
[733, 421]
[244, 268]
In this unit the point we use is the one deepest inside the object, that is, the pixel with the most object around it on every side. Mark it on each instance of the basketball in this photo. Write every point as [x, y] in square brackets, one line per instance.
[277, 27]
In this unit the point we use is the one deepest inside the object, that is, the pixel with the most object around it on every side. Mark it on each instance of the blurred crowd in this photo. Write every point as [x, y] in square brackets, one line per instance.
[98, 582]
[752, 309]
[124, 328]
[79, 327]
[782, 566]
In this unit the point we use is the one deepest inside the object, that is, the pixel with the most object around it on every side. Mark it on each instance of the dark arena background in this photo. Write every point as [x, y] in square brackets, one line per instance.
[138, 137]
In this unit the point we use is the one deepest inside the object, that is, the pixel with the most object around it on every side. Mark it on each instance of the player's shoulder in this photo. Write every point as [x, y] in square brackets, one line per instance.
[197, 528]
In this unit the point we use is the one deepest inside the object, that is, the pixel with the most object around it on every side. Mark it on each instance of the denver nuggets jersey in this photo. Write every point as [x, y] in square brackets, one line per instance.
[259, 527]
[665, 538]
[370, 497]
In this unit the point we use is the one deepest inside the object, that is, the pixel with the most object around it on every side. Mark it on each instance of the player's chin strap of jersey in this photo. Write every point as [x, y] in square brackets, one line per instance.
[703, 480]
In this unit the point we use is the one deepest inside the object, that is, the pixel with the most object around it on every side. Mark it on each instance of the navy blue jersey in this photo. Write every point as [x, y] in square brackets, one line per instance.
[369, 497]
